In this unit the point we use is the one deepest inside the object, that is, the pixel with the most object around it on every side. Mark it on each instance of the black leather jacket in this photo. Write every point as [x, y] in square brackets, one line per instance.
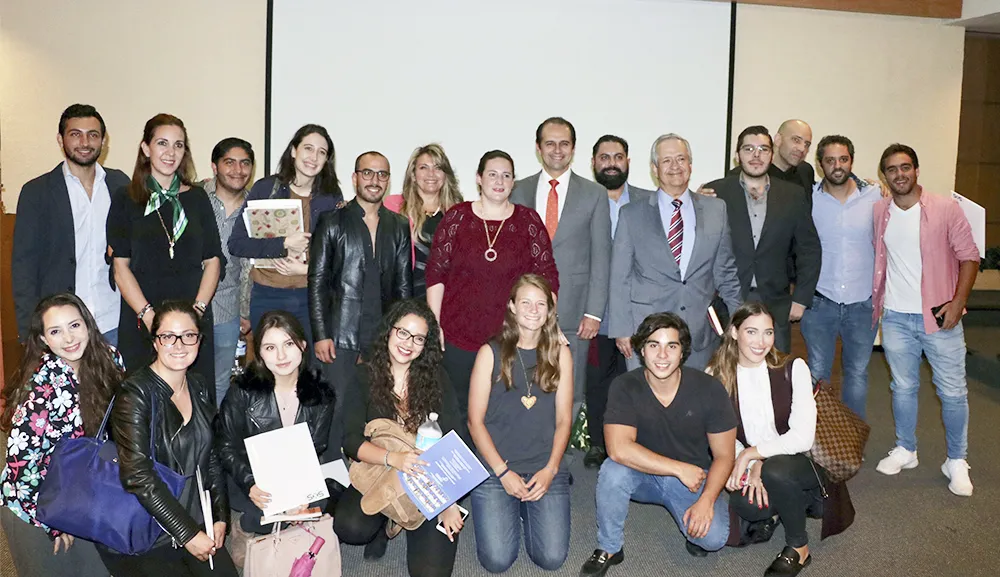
[130, 427]
[250, 408]
[337, 265]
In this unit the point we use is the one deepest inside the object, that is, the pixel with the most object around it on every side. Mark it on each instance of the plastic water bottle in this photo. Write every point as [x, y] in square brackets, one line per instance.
[429, 433]
[241, 357]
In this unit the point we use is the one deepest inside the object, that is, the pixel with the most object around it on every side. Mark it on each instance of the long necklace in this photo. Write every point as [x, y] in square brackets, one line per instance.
[491, 254]
[528, 400]
[170, 236]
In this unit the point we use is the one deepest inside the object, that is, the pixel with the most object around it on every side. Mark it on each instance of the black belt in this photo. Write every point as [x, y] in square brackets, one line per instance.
[823, 296]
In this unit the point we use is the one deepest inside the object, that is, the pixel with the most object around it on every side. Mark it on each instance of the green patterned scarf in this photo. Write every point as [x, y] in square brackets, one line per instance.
[159, 195]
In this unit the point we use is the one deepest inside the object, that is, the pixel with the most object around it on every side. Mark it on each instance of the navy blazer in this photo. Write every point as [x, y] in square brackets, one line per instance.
[44, 256]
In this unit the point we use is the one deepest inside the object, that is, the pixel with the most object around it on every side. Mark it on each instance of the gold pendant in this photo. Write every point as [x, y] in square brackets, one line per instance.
[528, 401]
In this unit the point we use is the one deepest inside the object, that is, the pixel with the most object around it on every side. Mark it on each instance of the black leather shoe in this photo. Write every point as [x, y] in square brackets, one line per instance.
[762, 531]
[695, 550]
[595, 457]
[376, 549]
[600, 562]
[787, 564]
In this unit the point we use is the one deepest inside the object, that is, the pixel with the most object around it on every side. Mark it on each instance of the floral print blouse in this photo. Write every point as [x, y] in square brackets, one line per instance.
[50, 413]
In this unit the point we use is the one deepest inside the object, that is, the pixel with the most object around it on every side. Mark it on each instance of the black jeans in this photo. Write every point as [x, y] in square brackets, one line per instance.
[166, 561]
[458, 364]
[340, 374]
[428, 552]
[790, 482]
[610, 364]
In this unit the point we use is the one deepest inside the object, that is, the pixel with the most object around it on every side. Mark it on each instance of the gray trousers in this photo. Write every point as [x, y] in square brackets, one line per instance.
[31, 551]
[578, 349]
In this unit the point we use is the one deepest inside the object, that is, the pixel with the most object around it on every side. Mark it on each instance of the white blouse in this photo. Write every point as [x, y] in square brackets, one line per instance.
[757, 412]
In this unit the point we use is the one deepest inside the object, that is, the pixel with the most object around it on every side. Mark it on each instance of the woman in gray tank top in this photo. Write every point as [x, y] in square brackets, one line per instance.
[520, 412]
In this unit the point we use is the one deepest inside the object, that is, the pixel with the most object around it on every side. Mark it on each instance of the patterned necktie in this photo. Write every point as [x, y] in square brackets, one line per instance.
[675, 235]
[552, 210]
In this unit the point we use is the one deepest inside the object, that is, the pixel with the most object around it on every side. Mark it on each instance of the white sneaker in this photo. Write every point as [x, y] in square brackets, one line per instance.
[898, 459]
[957, 471]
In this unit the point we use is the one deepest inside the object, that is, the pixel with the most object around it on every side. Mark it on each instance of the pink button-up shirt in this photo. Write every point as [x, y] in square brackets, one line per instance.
[945, 242]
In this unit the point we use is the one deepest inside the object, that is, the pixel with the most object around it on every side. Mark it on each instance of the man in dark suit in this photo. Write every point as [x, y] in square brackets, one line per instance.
[576, 213]
[610, 163]
[59, 235]
[771, 223]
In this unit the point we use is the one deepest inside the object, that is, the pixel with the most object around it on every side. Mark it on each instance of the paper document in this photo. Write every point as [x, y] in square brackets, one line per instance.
[285, 464]
[336, 470]
[976, 216]
[452, 472]
[206, 513]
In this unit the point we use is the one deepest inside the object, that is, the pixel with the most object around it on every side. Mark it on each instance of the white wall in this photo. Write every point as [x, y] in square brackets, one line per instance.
[875, 79]
[977, 8]
[201, 61]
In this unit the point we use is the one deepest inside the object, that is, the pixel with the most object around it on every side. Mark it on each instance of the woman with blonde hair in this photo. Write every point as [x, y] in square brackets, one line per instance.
[430, 188]
[520, 412]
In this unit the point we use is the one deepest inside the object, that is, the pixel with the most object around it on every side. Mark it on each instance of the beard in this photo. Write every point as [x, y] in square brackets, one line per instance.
[81, 161]
[611, 180]
[838, 180]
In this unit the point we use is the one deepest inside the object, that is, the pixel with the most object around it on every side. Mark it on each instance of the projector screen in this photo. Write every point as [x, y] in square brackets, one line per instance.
[392, 75]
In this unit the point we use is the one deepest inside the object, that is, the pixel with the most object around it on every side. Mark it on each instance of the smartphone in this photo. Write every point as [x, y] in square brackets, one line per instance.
[935, 311]
[462, 510]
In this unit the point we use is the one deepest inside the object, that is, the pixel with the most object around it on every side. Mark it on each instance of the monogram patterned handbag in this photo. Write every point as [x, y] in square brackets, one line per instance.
[841, 435]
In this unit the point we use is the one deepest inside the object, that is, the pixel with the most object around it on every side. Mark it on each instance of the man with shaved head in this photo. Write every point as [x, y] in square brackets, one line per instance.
[791, 146]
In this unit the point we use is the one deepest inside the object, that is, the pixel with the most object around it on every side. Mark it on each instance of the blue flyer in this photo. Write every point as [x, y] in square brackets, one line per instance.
[452, 472]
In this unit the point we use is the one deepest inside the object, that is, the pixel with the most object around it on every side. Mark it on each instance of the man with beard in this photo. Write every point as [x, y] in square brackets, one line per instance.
[59, 235]
[232, 164]
[359, 265]
[842, 305]
[610, 164]
[791, 145]
[771, 223]
[576, 215]
[926, 262]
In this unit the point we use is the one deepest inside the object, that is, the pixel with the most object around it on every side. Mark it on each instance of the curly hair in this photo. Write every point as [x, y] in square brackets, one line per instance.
[547, 367]
[727, 356]
[97, 380]
[424, 395]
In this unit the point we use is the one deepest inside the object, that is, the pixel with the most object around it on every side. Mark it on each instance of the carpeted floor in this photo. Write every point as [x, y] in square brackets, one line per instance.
[909, 525]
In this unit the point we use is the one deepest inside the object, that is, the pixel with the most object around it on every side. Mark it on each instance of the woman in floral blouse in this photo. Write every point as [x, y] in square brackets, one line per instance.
[68, 377]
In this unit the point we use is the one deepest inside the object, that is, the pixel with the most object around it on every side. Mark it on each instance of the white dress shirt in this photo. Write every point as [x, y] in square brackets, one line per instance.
[90, 215]
[757, 411]
[542, 193]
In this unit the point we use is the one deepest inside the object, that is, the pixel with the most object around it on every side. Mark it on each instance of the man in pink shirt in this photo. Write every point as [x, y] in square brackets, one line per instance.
[925, 265]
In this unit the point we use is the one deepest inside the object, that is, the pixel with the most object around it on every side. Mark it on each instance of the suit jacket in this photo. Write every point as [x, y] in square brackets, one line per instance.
[648, 280]
[582, 246]
[44, 253]
[636, 194]
[788, 232]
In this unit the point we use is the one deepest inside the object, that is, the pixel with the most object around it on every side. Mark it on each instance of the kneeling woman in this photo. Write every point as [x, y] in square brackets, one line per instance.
[777, 425]
[173, 402]
[275, 391]
[404, 381]
[520, 407]
[66, 380]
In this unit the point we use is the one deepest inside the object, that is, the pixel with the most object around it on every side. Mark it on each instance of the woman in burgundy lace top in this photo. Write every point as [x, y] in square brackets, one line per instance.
[479, 251]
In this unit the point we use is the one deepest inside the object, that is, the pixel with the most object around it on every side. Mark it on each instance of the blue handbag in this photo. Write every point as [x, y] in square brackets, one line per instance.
[82, 493]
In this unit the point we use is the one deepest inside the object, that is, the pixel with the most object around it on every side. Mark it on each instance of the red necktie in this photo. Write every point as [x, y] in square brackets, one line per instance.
[552, 210]
[675, 236]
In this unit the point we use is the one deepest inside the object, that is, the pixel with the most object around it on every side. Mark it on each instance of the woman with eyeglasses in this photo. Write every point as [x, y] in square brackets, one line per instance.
[172, 401]
[479, 251]
[164, 241]
[402, 380]
[68, 375]
[306, 173]
[276, 390]
[430, 189]
[520, 412]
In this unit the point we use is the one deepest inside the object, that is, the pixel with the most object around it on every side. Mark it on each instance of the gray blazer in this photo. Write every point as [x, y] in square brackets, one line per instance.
[582, 246]
[650, 280]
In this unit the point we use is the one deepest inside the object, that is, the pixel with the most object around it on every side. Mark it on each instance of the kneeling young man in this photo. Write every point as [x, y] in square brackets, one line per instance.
[670, 432]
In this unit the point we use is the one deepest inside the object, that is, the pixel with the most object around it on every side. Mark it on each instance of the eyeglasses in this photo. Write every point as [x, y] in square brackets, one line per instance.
[367, 174]
[170, 339]
[751, 149]
[405, 335]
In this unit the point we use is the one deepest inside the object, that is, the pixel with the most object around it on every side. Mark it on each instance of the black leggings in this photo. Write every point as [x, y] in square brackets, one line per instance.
[428, 552]
[790, 482]
[166, 561]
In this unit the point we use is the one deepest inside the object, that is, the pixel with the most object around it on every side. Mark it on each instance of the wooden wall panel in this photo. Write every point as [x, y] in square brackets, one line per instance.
[925, 8]
[10, 355]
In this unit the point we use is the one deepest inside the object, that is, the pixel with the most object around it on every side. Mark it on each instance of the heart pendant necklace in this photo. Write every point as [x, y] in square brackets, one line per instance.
[528, 400]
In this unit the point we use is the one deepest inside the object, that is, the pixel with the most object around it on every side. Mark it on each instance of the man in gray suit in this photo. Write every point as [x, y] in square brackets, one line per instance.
[672, 253]
[610, 164]
[576, 213]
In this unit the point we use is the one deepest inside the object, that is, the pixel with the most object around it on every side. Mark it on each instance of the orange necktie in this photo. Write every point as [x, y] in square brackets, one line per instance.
[552, 210]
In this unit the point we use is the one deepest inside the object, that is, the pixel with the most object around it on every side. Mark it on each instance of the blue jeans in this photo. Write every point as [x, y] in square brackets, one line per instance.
[497, 518]
[618, 485]
[903, 339]
[822, 323]
[296, 301]
[112, 337]
[227, 335]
